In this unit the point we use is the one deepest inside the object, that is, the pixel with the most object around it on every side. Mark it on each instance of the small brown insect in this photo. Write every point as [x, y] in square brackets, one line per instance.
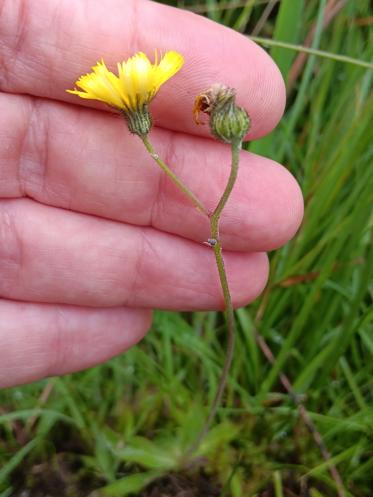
[207, 100]
[202, 103]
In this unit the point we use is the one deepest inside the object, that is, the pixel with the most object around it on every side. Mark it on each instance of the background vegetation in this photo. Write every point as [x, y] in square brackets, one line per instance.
[118, 426]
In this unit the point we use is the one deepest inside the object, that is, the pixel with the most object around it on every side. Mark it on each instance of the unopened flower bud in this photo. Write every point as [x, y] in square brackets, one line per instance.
[228, 121]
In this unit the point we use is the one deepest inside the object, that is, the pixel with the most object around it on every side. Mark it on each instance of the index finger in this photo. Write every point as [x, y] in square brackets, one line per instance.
[45, 45]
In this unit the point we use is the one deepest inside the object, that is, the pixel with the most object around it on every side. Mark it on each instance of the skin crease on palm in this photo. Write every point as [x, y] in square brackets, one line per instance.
[93, 235]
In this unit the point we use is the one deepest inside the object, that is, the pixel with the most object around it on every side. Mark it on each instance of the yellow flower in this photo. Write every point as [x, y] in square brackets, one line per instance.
[137, 82]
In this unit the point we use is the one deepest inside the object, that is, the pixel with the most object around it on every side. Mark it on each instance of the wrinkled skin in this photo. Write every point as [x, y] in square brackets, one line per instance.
[93, 236]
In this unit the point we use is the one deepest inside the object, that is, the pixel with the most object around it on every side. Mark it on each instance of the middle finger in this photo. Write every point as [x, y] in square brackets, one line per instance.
[85, 160]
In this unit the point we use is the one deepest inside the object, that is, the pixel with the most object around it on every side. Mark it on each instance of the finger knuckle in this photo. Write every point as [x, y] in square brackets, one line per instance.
[14, 16]
[11, 253]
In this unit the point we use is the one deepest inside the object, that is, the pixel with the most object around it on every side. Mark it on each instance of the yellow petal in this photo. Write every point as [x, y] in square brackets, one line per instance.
[137, 82]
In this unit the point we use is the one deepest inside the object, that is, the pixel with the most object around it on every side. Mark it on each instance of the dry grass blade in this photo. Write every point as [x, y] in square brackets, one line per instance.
[306, 418]
[331, 10]
[264, 17]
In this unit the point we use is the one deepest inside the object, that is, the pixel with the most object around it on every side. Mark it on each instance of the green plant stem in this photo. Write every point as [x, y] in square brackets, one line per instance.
[196, 202]
[312, 51]
[229, 313]
[215, 243]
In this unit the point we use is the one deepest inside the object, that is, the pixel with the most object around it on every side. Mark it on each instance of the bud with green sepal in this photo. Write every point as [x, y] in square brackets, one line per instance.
[228, 121]
[139, 122]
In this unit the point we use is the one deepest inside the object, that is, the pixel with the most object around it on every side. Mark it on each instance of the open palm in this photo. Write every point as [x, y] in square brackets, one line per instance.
[92, 234]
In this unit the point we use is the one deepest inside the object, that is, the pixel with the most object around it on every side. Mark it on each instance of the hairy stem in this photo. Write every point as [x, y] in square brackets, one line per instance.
[196, 202]
[216, 245]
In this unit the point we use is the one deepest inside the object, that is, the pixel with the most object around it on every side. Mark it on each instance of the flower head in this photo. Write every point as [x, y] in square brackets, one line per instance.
[136, 85]
[137, 82]
[228, 121]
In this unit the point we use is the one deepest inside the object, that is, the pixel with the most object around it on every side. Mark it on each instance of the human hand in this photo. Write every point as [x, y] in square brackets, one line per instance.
[92, 234]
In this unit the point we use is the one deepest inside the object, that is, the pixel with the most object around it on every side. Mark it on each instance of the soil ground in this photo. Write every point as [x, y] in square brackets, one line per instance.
[175, 485]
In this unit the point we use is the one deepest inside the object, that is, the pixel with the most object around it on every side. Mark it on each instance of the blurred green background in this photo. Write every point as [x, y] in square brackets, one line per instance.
[119, 426]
